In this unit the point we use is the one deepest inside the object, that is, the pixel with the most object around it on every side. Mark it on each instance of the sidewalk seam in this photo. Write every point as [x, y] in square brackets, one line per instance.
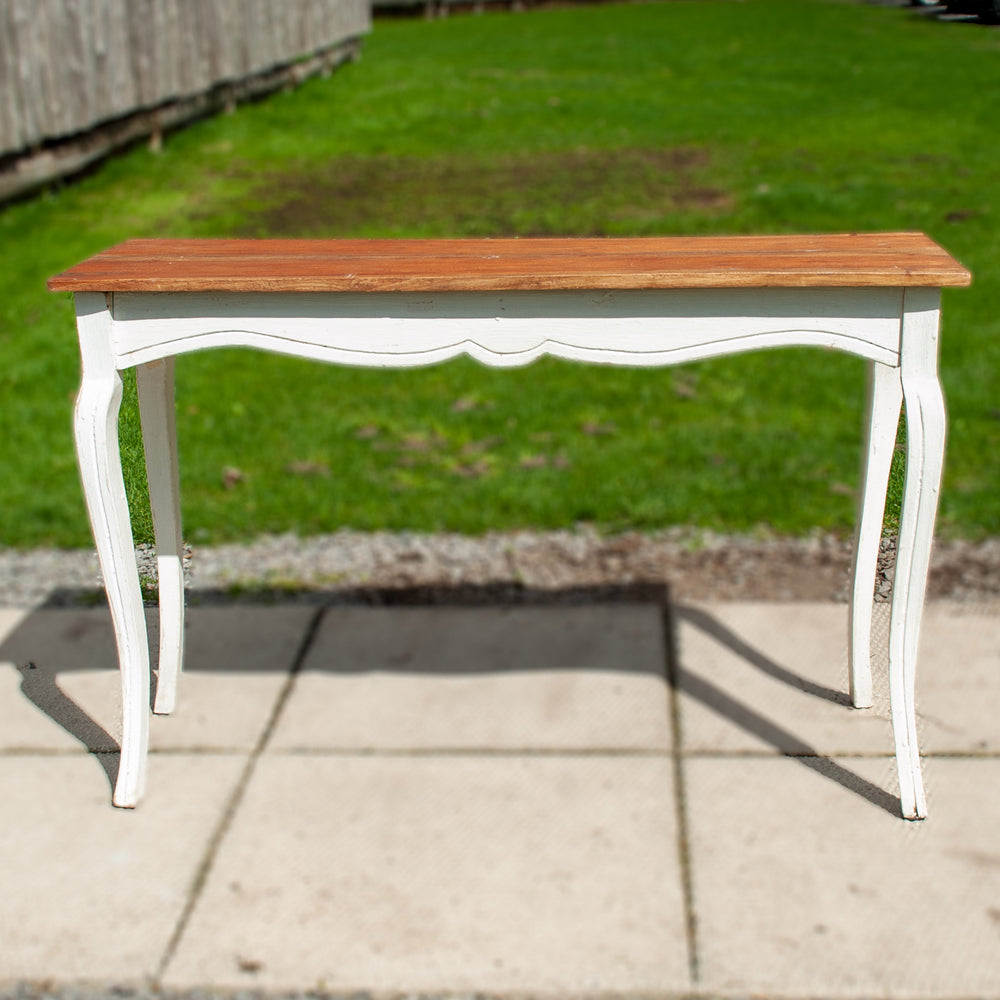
[235, 799]
[672, 665]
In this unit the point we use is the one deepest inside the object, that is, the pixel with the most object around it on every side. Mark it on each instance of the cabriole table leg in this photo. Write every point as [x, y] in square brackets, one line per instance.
[155, 384]
[925, 435]
[885, 397]
[96, 431]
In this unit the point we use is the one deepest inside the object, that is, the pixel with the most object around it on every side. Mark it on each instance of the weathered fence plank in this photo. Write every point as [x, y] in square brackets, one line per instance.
[69, 65]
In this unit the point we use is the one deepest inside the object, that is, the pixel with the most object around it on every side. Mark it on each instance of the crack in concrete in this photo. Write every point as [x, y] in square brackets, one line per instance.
[204, 869]
[673, 667]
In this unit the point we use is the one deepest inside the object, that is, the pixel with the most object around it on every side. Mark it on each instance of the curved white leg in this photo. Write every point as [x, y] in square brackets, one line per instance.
[96, 429]
[885, 397]
[925, 434]
[155, 384]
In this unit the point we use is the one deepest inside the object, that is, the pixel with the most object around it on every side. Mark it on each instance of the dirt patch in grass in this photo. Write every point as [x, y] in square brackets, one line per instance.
[581, 192]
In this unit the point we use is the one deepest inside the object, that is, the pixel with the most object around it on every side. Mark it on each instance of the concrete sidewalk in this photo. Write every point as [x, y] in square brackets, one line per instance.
[563, 799]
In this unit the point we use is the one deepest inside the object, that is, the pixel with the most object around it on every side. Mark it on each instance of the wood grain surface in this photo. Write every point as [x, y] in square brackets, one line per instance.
[846, 260]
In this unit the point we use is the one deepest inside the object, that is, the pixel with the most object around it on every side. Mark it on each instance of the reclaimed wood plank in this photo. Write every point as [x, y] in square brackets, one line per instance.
[861, 260]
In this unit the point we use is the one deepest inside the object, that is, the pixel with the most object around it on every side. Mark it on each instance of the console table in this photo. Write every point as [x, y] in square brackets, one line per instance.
[395, 303]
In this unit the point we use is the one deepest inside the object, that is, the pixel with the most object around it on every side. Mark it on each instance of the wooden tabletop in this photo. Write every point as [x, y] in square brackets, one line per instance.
[857, 260]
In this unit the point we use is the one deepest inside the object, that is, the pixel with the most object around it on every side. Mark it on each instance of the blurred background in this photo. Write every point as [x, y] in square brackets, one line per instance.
[324, 118]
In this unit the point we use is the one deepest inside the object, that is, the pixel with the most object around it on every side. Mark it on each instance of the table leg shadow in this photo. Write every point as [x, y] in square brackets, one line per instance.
[752, 721]
[84, 640]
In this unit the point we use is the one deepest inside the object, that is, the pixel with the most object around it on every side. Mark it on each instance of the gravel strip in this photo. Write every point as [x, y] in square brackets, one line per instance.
[694, 565]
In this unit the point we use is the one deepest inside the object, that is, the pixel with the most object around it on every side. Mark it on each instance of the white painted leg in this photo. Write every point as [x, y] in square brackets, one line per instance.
[885, 396]
[155, 383]
[96, 428]
[925, 434]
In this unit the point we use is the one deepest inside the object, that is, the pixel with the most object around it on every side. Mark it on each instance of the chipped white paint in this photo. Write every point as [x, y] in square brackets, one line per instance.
[894, 330]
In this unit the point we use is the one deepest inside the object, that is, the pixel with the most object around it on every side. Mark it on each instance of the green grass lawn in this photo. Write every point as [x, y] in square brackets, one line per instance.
[645, 119]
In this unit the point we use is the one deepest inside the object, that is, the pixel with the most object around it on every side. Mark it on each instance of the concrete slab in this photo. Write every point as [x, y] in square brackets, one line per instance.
[10, 618]
[958, 678]
[804, 887]
[405, 874]
[59, 684]
[60, 688]
[92, 893]
[237, 659]
[773, 677]
[482, 677]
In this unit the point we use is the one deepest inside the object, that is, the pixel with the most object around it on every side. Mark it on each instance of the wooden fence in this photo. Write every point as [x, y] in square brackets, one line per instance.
[67, 66]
